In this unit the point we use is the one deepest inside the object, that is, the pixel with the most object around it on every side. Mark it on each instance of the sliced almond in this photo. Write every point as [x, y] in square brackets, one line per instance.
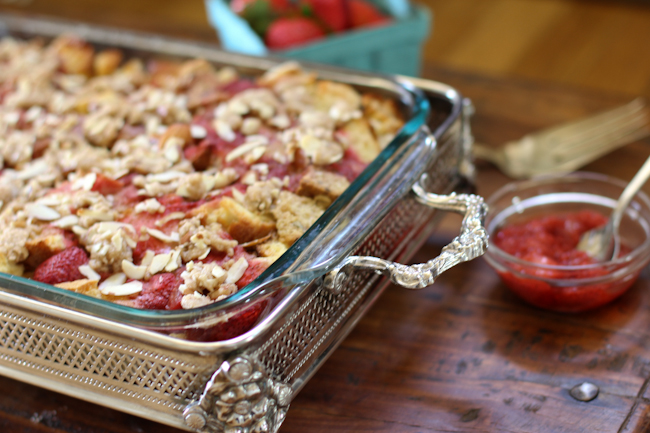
[165, 177]
[85, 183]
[147, 258]
[117, 240]
[198, 132]
[238, 106]
[238, 196]
[251, 125]
[255, 154]
[150, 206]
[237, 270]
[208, 182]
[252, 142]
[32, 170]
[173, 238]
[89, 273]
[249, 178]
[133, 271]
[112, 281]
[224, 131]
[95, 215]
[159, 263]
[11, 117]
[225, 177]
[219, 273]
[110, 226]
[174, 261]
[130, 288]
[66, 222]
[78, 230]
[172, 216]
[53, 200]
[281, 121]
[172, 153]
[41, 212]
[261, 168]
[205, 254]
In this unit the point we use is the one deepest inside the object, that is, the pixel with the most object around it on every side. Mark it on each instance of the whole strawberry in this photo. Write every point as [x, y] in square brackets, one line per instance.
[157, 292]
[363, 14]
[291, 31]
[62, 267]
[261, 13]
[332, 13]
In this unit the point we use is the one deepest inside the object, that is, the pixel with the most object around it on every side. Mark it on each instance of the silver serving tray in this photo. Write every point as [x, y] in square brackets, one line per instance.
[312, 297]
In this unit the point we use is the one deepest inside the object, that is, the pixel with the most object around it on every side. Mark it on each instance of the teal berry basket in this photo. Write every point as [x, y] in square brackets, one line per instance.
[395, 48]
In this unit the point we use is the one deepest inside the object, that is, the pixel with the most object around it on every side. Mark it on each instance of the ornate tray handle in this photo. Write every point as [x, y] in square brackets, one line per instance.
[469, 244]
[239, 398]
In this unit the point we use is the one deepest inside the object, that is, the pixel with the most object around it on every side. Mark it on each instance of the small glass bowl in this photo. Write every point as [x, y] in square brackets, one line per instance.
[569, 288]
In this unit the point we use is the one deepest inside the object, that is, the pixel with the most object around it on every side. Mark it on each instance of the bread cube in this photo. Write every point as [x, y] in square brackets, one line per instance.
[294, 214]
[242, 224]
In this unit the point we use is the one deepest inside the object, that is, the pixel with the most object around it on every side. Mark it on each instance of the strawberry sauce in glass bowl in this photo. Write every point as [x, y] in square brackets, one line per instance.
[535, 225]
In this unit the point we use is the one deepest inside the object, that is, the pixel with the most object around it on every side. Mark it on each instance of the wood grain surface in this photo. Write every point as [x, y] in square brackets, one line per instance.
[596, 44]
[593, 44]
[464, 355]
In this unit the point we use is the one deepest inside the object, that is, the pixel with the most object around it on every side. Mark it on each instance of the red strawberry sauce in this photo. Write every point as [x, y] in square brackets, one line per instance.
[552, 240]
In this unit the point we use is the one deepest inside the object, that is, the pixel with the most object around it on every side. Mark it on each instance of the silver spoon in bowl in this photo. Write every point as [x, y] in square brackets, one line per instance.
[603, 243]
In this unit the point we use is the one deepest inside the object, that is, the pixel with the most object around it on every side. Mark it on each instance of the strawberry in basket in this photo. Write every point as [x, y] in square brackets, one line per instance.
[284, 24]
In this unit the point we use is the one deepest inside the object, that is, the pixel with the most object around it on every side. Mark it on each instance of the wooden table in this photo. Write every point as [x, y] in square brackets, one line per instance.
[464, 355]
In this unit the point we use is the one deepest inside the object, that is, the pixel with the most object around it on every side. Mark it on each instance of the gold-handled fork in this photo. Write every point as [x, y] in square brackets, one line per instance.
[569, 146]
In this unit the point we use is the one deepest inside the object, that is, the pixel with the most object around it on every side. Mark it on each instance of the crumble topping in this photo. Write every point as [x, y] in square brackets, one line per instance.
[198, 239]
[108, 244]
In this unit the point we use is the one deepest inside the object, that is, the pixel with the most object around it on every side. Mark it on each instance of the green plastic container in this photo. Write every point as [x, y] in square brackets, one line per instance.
[389, 49]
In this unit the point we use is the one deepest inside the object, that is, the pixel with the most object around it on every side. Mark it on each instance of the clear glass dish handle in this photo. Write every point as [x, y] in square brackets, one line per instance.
[468, 245]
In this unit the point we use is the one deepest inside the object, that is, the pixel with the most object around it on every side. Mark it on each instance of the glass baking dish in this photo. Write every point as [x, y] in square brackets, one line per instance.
[165, 365]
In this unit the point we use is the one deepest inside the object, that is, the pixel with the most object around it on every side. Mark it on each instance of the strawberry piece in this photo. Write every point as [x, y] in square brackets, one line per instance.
[332, 13]
[153, 244]
[364, 13]
[62, 267]
[176, 203]
[129, 132]
[105, 185]
[236, 325]
[199, 155]
[157, 292]
[128, 197]
[237, 86]
[292, 31]
[40, 146]
[175, 299]
[51, 241]
[255, 268]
